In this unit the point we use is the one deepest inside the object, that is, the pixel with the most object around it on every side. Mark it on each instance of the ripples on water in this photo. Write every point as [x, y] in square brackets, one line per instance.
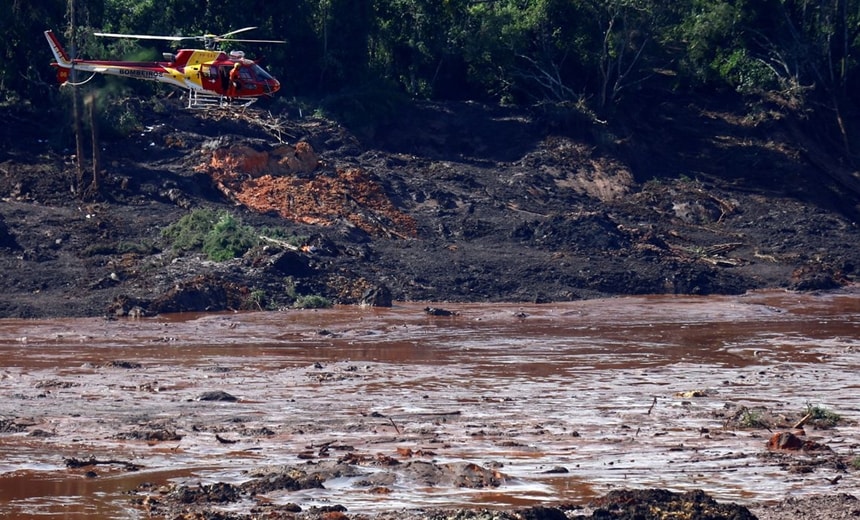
[528, 387]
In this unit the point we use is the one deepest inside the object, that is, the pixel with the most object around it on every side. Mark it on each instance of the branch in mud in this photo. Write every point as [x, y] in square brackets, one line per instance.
[73, 462]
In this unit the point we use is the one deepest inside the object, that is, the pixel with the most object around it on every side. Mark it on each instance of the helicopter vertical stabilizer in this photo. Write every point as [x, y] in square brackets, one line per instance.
[60, 54]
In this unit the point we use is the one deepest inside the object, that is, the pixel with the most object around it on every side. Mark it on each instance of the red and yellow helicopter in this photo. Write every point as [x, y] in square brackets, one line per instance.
[204, 73]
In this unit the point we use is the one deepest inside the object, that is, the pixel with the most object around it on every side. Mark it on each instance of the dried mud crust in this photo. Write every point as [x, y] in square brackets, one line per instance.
[449, 202]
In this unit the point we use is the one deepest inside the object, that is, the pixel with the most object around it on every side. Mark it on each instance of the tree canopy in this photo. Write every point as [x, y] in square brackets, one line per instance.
[800, 53]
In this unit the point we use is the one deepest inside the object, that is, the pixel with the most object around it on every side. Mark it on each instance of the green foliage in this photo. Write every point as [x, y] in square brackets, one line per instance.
[354, 54]
[711, 31]
[312, 301]
[822, 417]
[220, 236]
[118, 117]
[751, 419]
[256, 299]
[190, 231]
[745, 73]
[227, 239]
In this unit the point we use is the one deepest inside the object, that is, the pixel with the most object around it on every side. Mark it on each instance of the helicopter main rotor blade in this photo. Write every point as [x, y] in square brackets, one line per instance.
[231, 33]
[144, 36]
[251, 41]
[204, 38]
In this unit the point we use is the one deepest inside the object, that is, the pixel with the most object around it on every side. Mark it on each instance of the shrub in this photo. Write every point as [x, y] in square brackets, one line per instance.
[752, 419]
[220, 236]
[188, 233]
[822, 417]
[311, 301]
[256, 299]
[228, 239]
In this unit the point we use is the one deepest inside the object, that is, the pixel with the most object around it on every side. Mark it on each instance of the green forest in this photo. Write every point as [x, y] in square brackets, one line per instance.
[596, 55]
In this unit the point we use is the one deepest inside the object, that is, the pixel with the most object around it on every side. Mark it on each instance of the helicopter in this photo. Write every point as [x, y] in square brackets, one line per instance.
[204, 73]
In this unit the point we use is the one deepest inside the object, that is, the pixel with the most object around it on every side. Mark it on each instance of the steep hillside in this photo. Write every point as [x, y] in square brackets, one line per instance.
[447, 202]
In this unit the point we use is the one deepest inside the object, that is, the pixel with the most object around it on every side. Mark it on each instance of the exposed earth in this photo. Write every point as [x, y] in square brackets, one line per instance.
[447, 202]
[456, 202]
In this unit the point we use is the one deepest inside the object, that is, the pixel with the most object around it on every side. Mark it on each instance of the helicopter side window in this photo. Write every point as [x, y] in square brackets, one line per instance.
[210, 73]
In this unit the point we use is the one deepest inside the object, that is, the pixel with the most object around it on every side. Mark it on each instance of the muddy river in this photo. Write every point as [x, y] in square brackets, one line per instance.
[562, 401]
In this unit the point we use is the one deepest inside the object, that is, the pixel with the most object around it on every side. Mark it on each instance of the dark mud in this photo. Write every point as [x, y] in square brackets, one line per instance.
[446, 408]
[616, 408]
[449, 202]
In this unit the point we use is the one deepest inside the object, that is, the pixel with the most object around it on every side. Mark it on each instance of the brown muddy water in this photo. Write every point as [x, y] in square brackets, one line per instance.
[568, 401]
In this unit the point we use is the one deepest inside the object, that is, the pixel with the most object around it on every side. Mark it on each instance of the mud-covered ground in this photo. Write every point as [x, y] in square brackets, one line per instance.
[455, 202]
[494, 411]
[445, 202]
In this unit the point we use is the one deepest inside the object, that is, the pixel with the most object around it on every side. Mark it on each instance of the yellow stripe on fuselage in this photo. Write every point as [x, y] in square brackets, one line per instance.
[201, 57]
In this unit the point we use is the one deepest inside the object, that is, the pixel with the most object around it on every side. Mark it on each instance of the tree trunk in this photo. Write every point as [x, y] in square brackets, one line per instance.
[76, 109]
[95, 187]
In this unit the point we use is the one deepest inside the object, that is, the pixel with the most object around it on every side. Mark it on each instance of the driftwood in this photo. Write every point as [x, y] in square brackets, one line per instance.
[282, 243]
[800, 423]
[73, 462]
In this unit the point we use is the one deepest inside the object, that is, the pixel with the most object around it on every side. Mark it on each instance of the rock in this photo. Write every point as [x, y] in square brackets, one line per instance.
[543, 513]
[436, 311]
[791, 442]
[784, 441]
[556, 470]
[128, 365]
[655, 504]
[200, 293]
[291, 263]
[379, 296]
[217, 395]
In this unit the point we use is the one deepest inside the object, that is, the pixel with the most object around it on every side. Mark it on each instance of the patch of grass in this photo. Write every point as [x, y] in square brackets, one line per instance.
[822, 417]
[256, 299]
[855, 463]
[751, 419]
[312, 301]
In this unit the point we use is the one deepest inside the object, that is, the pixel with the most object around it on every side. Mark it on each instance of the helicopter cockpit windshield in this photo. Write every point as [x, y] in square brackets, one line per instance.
[261, 73]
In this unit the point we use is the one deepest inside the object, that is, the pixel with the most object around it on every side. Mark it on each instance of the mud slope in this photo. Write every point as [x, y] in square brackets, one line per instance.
[449, 202]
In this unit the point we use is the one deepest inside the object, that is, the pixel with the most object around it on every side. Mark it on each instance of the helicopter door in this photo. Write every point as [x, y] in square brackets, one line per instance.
[224, 77]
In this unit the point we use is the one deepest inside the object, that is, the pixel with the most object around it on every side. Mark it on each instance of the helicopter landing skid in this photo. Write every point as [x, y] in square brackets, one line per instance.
[200, 100]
